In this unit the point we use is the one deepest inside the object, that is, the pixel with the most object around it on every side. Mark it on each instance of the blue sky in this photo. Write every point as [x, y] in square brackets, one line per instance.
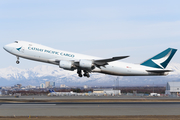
[100, 28]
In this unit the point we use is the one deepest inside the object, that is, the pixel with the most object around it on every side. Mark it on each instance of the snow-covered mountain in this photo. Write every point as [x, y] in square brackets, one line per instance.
[40, 74]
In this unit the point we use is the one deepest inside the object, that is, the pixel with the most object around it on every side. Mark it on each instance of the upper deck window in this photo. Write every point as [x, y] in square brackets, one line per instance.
[16, 42]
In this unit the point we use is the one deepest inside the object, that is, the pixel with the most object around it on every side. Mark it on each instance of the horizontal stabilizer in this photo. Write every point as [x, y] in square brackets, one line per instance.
[159, 71]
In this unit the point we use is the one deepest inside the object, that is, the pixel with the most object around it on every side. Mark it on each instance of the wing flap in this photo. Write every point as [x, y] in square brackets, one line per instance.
[105, 61]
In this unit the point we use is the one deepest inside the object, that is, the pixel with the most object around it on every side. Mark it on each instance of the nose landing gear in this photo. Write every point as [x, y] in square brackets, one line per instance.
[17, 62]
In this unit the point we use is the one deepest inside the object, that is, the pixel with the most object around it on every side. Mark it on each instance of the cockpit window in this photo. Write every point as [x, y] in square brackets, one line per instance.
[16, 41]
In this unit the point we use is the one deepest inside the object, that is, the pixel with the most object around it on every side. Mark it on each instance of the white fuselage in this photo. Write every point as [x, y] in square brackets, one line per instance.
[45, 54]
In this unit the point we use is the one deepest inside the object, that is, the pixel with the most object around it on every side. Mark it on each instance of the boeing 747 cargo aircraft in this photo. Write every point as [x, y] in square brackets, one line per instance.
[87, 64]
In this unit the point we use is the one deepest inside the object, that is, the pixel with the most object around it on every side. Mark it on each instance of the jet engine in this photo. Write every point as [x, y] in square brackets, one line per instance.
[86, 64]
[67, 65]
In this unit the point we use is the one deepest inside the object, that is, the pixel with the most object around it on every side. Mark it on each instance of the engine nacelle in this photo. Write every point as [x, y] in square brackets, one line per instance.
[86, 64]
[67, 65]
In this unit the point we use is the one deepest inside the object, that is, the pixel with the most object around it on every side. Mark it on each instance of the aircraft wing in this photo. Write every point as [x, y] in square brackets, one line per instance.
[105, 61]
[100, 62]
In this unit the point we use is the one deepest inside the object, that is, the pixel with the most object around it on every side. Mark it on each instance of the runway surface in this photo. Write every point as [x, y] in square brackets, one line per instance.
[83, 97]
[90, 109]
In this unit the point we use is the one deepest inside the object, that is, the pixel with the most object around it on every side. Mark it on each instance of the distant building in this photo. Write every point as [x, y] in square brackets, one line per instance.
[52, 84]
[42, 85]
[98, 91]
[19, 85]
[33, 87]
[62, 86]
[172, 88]
[30, 86]
[107, 91]
[37, 87]
[47, 84]
[85, 86]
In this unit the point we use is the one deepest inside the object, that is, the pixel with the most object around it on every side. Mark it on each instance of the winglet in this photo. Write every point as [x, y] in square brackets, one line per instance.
[161, 60]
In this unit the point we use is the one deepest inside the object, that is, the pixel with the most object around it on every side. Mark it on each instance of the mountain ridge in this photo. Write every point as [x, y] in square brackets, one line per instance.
[40, 74]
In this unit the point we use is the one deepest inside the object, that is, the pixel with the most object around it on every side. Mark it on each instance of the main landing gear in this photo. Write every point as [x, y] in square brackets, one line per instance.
[79, 73]
[86, 74]
[17, 62]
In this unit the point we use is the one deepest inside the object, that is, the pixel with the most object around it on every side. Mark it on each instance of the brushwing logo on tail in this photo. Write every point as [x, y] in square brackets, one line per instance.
[161, 60]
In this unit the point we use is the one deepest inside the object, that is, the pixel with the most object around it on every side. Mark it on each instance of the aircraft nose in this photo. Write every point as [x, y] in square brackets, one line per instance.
[7, 47]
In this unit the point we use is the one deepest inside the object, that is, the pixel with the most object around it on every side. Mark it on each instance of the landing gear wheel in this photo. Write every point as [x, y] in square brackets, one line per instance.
[86, 74]
[79, 73]
[17, 62]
